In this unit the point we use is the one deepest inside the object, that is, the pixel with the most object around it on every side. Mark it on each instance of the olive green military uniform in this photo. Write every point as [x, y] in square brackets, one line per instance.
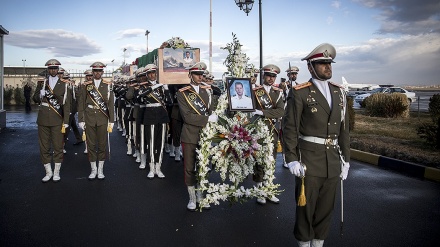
[50, 122]
[309, 116]
[271, 119]
[96, 121]
[192, 125]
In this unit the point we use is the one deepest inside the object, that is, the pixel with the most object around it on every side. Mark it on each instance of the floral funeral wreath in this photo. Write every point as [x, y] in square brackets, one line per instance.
[241, 145]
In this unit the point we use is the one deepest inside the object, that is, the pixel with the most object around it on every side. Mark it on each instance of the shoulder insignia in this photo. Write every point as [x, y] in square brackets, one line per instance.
[88, 82]
[184, 88]
[64, 80]
[106, 82]
[256, 88]
[206, 87]
[302, 85]
[335, 84]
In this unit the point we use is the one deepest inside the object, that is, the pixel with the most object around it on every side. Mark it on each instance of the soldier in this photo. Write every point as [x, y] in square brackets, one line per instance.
[196, 110]
[156, 98]
[96, 116]
[74, 109]
[292, 73]
[317, 138]
[271, 107]
[89, 76]
[53, 117]
[176, 123]
[129, 121]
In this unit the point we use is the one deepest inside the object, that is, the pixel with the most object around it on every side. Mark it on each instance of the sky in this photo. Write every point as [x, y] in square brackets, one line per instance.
[377, 41]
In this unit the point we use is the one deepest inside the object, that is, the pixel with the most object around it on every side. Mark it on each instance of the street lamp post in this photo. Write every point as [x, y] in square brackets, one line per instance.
[146, 34]
[125, 49]
[246, 6]
[24, 67]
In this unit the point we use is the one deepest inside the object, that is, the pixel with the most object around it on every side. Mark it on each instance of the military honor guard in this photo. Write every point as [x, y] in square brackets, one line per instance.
[196, 110]
[88, 77]
[74, 90]
[53, 118]
[176, 123]
[292, 73]
[96, 116]
[156, 98]
[316, 145]
[270, 106]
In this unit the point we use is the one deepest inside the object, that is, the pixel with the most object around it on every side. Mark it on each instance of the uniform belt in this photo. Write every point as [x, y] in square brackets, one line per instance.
[136, 104]
[45, 104]
[93, 107]
[153, 105]
[319, 140]
[142, 106]
[128, 105]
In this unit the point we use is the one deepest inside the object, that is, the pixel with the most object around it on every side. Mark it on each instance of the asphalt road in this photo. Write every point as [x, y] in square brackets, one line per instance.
[381, 207]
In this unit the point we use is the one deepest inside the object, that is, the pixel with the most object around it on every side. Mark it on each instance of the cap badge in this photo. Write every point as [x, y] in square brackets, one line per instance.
[326, 53]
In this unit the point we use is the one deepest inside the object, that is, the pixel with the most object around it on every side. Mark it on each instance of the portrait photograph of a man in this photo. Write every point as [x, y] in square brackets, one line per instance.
[240, 94]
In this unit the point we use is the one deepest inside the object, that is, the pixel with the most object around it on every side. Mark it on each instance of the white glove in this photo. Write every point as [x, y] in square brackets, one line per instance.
[258, 112]
[212, 118]
[344, 170]
[66, 126]
[296, 168]
[110, 125]
[82, 125]
[165, 86]
[42, 92]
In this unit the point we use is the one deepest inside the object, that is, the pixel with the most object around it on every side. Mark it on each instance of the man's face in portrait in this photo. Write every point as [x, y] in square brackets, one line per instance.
[239, 90]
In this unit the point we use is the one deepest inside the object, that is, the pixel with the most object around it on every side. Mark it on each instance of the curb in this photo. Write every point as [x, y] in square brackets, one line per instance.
[404, 167]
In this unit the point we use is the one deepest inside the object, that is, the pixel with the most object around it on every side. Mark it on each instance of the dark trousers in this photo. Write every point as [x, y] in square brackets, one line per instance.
[314, 219]
[189, 163]
[74, 127]
[176, 130]
[154, 141]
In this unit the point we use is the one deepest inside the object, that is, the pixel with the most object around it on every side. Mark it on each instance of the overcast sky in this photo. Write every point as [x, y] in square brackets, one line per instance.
[377, 41]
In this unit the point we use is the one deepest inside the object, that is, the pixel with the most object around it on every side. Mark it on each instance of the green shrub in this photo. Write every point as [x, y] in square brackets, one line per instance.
[387, 105]
[19, 96]
[8, 92]
[431, 131]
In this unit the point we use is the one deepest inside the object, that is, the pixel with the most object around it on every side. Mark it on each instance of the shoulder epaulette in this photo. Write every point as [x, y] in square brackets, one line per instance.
[184, 88]
[335, 84]
[206, 87]
[256, 88]
[107, 82]
[88, 82]
[302, 85]
[64, 80]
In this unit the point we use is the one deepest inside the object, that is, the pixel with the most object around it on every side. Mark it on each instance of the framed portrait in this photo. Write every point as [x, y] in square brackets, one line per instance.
[240, 94]
[173, 63]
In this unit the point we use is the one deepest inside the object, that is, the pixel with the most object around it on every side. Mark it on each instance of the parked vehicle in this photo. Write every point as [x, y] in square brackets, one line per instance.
[411, 96]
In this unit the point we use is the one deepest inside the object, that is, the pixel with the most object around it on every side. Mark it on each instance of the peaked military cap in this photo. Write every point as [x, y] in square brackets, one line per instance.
[88, 72]
[53, 63]
[97, 65]
[150, 68]
[292, 69]
[197, 67]
[271, 69]
[61, 70]
[324, 53]
[140, 72]
[66, 75]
